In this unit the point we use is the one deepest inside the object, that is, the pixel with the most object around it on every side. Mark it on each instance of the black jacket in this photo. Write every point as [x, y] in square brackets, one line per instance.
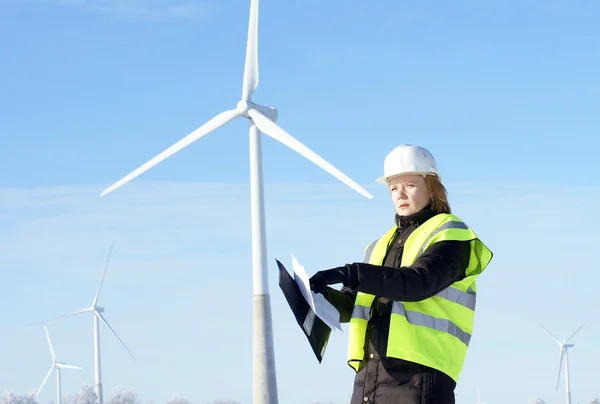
[384, 380]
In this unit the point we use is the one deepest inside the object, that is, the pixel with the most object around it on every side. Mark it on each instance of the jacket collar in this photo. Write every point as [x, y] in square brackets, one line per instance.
[415, 219]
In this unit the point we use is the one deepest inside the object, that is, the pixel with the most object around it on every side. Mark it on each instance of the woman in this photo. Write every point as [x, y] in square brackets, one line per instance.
[411, 303]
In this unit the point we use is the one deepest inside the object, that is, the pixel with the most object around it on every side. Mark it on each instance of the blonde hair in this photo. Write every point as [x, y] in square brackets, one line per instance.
[439, 198]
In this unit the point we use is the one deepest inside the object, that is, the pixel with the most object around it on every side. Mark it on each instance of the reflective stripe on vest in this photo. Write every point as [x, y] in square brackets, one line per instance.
[436, 331]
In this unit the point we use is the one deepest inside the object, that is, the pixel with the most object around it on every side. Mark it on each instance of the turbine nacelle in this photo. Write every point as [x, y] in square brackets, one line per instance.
[244, 106]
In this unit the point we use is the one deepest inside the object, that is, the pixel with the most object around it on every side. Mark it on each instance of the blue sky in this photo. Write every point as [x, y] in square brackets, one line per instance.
[504, 93]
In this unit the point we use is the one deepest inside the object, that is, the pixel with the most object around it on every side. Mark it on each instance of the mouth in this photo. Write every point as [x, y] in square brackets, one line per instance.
[404, 205]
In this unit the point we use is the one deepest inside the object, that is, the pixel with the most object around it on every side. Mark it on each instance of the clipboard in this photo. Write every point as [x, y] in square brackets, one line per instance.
[315, 329]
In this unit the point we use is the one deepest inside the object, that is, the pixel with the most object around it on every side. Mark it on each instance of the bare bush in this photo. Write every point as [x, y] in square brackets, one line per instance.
[176, 399]
[10, 397]
[123, 395]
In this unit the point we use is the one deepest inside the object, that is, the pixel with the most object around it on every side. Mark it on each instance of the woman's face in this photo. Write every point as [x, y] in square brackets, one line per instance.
[409, 194]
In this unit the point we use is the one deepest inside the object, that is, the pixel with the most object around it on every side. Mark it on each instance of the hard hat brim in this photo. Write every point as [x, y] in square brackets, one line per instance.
[382, 180]
[386, 178]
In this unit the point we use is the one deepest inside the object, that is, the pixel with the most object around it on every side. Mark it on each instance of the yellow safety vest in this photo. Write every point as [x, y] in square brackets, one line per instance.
[436, 331]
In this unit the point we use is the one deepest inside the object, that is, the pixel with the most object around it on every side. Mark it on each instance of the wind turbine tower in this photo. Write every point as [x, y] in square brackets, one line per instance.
[564, 353]
[261, 119]
[55, 366]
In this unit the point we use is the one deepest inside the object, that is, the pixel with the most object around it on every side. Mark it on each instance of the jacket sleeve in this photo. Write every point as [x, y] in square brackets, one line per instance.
[442, 264]
[342, 300]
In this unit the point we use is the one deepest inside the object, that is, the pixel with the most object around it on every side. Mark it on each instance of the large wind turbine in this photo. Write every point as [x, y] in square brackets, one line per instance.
[55, 365]
[564, 352]
[98, 316]
[261, 118]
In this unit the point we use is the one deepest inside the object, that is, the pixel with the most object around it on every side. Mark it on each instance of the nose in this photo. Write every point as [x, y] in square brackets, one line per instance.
[401, 193]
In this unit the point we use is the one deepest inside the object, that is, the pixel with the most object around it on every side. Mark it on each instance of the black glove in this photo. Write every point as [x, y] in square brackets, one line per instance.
[346, 275]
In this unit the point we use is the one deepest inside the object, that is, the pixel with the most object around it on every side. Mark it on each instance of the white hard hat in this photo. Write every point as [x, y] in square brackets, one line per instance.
[408, 159]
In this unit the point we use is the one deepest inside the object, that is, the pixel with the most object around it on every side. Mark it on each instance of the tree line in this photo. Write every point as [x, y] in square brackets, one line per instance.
[87, 395]
[126, 395]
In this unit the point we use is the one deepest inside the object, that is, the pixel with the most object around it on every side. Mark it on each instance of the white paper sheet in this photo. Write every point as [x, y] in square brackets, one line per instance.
[322, 308]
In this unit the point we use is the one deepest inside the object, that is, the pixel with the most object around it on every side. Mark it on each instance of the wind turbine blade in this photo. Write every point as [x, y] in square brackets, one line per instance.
[270, 128]
[214, 123]
[562, 353]
[45, 380]
[103, 273]
[572, 335]
[57, 318]
[50, 345]
[548, 331]
[114, 332]
[251, 65]
[64, 366]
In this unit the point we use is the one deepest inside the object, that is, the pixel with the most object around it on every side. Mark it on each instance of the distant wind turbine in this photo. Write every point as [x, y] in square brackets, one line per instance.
[261, 119]
[479, 397]
[55, 365]
[564, 352]
[98, 316]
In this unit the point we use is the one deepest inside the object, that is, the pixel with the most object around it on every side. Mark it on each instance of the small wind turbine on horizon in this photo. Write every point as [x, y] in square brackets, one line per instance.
[261, 119]
[479, 397]
[98, 316]
[564, 352]
[55, 366]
